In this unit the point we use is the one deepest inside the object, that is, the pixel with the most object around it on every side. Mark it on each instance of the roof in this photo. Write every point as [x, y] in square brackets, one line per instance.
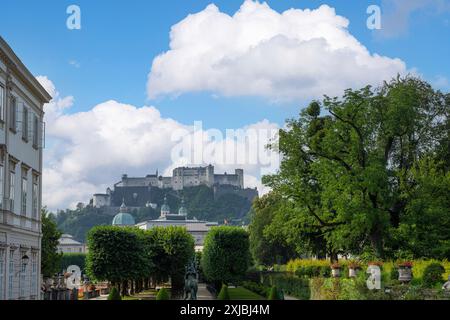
[23, 73]
[123, 219]
[67, 240]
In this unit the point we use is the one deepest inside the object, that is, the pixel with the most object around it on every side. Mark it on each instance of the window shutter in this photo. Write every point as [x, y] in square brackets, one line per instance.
[41, 134]
[19, 108]
[30, 125]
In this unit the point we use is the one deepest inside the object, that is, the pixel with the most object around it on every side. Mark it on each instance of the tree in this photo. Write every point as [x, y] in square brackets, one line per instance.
[50, 259]
[172, 249]
[267, 248]
[226, 255]
[346, 161]
[115, 254]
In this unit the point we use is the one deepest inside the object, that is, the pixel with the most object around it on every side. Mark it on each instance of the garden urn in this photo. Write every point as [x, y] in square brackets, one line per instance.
[404, 274]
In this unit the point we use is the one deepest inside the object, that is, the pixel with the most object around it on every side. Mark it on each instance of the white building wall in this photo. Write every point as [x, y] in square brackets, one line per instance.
[20, 232]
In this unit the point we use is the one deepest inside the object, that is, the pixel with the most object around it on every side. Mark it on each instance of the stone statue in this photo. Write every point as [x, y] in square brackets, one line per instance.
[191, 282]
[446, 285]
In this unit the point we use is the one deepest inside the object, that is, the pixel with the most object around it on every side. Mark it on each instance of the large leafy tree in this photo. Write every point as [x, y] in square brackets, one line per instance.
[268, 248]
[50, 257]
[347, 163]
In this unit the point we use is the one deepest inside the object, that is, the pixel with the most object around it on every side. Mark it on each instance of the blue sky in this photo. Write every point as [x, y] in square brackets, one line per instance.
[119, 39]
[101, 72]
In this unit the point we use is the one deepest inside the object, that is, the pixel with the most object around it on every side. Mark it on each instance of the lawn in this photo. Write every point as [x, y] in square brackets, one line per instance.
[240, 293]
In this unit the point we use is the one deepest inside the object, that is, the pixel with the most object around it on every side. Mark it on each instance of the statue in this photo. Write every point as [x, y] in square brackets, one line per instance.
[191, 282]
[446, 285]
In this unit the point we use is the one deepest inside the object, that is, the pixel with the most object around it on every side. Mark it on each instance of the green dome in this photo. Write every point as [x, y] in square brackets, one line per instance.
[182, 211]
[123, 219]
[165, 209]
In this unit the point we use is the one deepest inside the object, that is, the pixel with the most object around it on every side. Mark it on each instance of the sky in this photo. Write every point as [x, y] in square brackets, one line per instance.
[139, 71]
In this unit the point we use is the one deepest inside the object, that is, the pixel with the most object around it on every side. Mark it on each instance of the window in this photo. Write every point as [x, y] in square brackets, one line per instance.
[25, 123]
[23, 276]
[35, 195]
[1, 185]
[2, 273]
[12, 114]
[12, 179]
[35, 131]
[11, 275]
[24, 196]
[34, 273]
[2, 102]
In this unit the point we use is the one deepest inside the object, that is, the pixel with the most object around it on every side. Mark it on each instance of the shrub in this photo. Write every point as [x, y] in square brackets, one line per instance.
[432, 275]
[291, 285]
[274, 294]
[226, 256]
[258, 288]
[114, 294]
[223, 294]
[325, 272]
[163, 294]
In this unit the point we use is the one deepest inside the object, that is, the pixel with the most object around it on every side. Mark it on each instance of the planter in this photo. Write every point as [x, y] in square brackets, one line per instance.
[352, 272]
[336, 273]
[404, 274]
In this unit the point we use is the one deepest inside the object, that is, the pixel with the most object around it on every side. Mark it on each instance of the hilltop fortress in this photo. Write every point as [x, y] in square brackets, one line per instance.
[137, 191]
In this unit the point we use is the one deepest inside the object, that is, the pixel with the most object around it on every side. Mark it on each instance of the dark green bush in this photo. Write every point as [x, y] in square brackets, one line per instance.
[325, 271]
[114, 294]
[274, 294]
[258, 288]
[291, 285]
[223, 294]
[394, 274]
[163, 294]
[69, 259]
[432, 275]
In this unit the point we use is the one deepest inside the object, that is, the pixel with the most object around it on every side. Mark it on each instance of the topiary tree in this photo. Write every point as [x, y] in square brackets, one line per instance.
[114, 294]
[432, 275]
[274, 294]
[115, 254]
[226, 255]
[224, 294]
[163, 294]
[172, 249]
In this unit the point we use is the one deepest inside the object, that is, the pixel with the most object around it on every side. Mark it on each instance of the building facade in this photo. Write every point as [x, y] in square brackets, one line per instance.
[67, 244]
[196, 228]
[21, 142]
[181, 178]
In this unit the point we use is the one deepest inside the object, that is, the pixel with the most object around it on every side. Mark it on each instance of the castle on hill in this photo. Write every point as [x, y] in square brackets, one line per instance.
[142, 191]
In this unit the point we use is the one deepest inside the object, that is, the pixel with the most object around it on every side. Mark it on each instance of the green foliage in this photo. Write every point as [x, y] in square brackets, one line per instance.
[258, 288]
[69, 259]
[432, 275]
[274, 294]
[50, 258]
[116, 254]
[172, 249]
[223, 294]
[226, 255]
[372, 170]
[291, 285]
[200, 202]
[114, 294]
[163, 294]
[267, 250]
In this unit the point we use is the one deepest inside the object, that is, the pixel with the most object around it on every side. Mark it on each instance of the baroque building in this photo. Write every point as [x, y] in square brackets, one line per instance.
[21, 142]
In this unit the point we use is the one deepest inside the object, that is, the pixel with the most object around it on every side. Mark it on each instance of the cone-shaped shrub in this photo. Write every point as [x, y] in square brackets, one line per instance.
[163, 294]
[223, 294]
[273, 294]
[114, 294]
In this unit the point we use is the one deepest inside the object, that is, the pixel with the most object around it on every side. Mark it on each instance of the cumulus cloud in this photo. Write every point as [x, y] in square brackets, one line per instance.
[88, 151]
[296, 54]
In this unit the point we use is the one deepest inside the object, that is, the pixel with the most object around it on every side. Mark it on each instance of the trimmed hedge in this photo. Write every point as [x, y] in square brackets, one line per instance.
[290, 284]
[224, 294]
[258, 288]
[69, 259]
[163, 294]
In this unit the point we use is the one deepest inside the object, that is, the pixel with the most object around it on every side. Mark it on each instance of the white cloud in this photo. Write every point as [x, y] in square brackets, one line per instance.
[88, 151]
[297, 54]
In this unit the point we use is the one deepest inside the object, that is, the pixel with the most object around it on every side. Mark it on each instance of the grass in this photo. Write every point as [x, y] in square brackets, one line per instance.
[241, 293]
